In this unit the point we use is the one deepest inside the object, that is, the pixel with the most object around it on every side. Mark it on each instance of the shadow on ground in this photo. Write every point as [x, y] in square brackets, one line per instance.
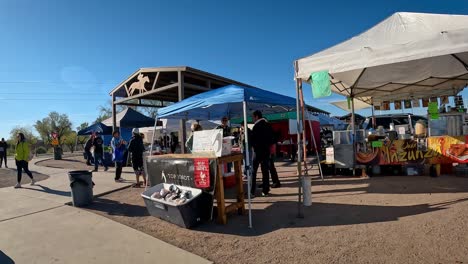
[8, 177]
[49, 190]
[111, 207]
[285, 215]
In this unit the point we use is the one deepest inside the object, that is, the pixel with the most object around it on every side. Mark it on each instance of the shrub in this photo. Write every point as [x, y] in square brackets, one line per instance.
[41, 150]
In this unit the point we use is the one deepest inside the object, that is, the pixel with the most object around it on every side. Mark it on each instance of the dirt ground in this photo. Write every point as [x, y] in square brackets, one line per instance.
[8, 177]
[389, 219]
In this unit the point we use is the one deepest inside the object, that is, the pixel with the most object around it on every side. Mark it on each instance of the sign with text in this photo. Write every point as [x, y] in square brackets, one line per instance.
[181, 171]
[208, 141]
[201, 172]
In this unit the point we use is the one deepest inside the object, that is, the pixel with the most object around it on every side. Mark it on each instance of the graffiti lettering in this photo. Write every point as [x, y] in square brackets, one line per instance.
[402, 156]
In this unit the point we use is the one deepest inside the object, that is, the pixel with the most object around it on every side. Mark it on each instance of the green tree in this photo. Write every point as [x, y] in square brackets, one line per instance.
[82, 139]
[54, 122]
[69, 140]
[28, 134]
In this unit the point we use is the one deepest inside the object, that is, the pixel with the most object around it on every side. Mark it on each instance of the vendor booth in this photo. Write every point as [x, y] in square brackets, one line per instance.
[407, 60]
[204, 168]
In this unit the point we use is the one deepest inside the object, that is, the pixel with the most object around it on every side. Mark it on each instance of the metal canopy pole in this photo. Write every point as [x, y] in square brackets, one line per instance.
[353, 127]
[299, 148]
[315, 146]
[247, 157]
[151, 147]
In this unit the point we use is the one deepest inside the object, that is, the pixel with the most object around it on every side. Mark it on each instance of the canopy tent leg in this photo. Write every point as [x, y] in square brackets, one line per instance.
[299, 148]
[353, 129]
[373, 114]
[247, 162]
[304, 138]
[315, 146]
[151, 148]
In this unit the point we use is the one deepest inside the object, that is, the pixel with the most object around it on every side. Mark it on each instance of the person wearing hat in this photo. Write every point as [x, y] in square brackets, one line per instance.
[118, 149]
[136, 149]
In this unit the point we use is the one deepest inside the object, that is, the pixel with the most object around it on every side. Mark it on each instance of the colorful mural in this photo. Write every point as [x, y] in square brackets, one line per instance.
[439, 150]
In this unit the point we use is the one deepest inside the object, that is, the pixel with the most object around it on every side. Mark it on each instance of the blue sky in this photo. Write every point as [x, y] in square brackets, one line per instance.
[66, 56]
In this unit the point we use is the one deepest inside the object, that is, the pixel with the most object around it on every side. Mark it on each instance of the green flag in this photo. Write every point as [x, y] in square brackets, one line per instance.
[320, 84]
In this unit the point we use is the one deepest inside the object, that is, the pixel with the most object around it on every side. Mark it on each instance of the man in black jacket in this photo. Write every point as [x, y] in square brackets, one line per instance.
[262, 139]
[3, 152]
[99, 157]
[136, 149]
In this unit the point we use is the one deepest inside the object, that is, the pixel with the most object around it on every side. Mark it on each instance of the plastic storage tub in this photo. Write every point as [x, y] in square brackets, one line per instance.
[187, 215]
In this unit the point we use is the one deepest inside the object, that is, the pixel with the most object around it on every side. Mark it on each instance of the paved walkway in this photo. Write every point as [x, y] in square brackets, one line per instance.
[37, 227]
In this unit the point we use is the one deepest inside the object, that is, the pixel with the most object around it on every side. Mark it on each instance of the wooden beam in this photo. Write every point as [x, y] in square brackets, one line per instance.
[143, 105]
[114, 113]
[155, 81]
[196, 87]
[126, 89]
[142, 95]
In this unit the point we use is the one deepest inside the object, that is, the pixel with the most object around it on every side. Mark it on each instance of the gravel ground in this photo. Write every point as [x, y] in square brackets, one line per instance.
[352, 220]
[8, 177]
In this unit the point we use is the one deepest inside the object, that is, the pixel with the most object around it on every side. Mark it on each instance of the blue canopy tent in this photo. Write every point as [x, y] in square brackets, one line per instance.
[96, 128]
[233, 102]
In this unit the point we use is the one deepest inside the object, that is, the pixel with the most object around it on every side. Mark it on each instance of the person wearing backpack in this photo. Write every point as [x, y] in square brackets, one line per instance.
[136, 149]
[22, 157]
[118, 151]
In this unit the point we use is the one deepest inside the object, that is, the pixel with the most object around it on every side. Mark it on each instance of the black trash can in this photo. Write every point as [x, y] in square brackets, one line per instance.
[57, 153]
[81, 185]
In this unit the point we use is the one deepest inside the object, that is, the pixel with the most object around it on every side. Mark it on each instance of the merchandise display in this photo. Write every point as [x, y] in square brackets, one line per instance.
[173, 194]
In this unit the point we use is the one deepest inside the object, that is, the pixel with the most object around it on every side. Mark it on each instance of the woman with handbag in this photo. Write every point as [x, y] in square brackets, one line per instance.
[22, 157]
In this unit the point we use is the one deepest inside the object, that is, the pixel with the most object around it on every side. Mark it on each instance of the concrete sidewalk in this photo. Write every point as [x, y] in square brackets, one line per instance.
[36, 226]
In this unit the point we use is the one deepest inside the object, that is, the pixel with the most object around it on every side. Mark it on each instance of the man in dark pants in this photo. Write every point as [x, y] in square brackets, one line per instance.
[87, 149]
[262, 139]
[98, 145]
[3, 152]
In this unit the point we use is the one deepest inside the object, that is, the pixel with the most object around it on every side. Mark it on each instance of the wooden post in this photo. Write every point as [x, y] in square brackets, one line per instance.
[114, 117]
[182, 132]
[239, 186]
[220, 194]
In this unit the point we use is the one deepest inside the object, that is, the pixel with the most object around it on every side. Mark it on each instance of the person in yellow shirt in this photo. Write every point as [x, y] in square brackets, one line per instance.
[22, 159]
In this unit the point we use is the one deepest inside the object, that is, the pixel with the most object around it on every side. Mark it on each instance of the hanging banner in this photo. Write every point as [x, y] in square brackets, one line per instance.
[425, 102]
[444, 100]
[407, 104]
[386, 105]
[397, 105]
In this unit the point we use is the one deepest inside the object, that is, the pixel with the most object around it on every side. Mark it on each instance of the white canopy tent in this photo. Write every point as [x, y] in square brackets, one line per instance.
[406, 56]
[358, 105]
